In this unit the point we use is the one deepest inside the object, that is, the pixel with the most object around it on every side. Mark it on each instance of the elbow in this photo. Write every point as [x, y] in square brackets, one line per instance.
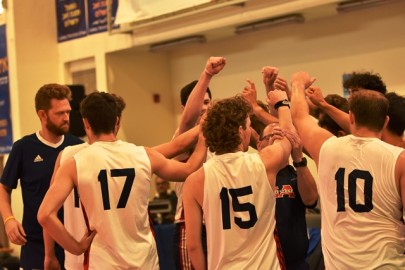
[43, 217]
[192, 247]
[310, 201]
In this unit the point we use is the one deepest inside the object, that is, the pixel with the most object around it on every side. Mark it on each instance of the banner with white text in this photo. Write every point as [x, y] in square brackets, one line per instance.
[71, 19]
[97, 14]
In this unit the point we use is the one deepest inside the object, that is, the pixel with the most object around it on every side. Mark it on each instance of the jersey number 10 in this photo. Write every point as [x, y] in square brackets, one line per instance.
[354, 176]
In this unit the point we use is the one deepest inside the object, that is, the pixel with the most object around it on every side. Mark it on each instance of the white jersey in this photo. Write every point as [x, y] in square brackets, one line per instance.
[74, 220]
[239, 211]
[114, 184]
[361, 205]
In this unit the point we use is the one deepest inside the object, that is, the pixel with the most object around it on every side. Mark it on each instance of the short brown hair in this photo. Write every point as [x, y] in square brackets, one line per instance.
[48, 92]
[370, 109]
[101, 110]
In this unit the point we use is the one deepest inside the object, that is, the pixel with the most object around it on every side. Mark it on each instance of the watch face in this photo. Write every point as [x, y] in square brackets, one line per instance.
[286, 102]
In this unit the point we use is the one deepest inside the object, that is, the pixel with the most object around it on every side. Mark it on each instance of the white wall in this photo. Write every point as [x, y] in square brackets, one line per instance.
[372, 40]
[137, 76]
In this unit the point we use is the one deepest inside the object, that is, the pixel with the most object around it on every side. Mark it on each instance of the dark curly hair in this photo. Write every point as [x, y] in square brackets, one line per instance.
[366, 80]
[396, 113]
[221, 126]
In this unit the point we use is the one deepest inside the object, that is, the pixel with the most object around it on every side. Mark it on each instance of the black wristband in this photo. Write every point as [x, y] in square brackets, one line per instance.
[302, 163]
[284, 102]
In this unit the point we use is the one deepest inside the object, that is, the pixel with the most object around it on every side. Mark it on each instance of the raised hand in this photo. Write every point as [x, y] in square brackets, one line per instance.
[281, 84]
[269, 77]
[315, 95]
[214, 65]
[303, 79]
[250, 93]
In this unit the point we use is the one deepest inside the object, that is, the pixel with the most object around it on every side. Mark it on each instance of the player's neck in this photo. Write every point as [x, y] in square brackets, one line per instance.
[50, 136]
[105, 138]
[366, 133]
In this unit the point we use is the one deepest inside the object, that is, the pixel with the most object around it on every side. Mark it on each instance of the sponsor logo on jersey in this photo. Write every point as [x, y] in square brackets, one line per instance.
[285, 191]
[38, 159]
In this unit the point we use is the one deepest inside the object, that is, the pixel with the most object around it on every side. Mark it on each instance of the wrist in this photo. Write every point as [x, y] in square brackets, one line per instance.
[7, 219]
[282, 103]
[300, 163]
[209, 74]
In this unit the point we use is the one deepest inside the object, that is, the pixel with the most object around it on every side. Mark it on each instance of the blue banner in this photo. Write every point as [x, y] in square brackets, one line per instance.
[97, 15]
[71, 19]
[6, 132]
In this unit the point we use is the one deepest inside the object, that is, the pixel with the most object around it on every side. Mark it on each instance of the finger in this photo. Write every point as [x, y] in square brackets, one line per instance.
[21, 230]
[252, 84]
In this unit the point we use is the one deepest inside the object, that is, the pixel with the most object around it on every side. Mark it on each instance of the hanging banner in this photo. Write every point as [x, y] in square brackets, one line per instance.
[71, 19]
[135, 10]
[6, 135]
[97, 14]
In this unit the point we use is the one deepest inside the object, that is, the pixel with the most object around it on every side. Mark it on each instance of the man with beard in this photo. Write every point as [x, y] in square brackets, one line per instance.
[31, 161]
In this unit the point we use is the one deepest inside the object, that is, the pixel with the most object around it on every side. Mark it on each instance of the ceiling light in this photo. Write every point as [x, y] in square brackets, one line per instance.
[360, 4]
[177, 42]
[260, 25]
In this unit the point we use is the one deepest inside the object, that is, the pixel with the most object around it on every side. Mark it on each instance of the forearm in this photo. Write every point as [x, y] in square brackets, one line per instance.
[5, 202]
[340, 117]
[199, 155]
[299, 105]
[49, 245]
[52, 225]
[265, 117]
[306, 186]
[179, 144]
[194, 103]
[198, 258]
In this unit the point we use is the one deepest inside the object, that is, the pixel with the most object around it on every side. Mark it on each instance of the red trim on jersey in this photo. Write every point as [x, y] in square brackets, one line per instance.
[184, 259]
[86, 259]
[280, 254]
[151, 226]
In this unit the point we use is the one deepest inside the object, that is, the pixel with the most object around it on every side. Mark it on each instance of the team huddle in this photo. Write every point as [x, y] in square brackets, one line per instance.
[86, 203]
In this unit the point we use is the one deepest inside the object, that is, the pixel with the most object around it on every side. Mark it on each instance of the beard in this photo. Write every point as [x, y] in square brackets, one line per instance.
[58, 130]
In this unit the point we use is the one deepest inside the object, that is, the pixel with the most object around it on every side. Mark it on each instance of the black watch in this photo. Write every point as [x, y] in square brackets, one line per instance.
[302, 163]
[280, 103]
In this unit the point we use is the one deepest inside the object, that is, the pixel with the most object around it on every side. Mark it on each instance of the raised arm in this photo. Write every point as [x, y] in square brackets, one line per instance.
[179, 144]
[193, 107]
[306, 182]
[340, 117]
[311, 134]
[275, 156]
[250, 94]
[173, 170]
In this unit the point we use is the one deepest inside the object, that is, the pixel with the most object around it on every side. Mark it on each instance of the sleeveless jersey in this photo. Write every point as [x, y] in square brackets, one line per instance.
[74, 220]
[239, 211]
[361, 205]
[114, 184]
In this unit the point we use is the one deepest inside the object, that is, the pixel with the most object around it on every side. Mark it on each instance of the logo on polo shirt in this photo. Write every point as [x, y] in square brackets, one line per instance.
[38, 159]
